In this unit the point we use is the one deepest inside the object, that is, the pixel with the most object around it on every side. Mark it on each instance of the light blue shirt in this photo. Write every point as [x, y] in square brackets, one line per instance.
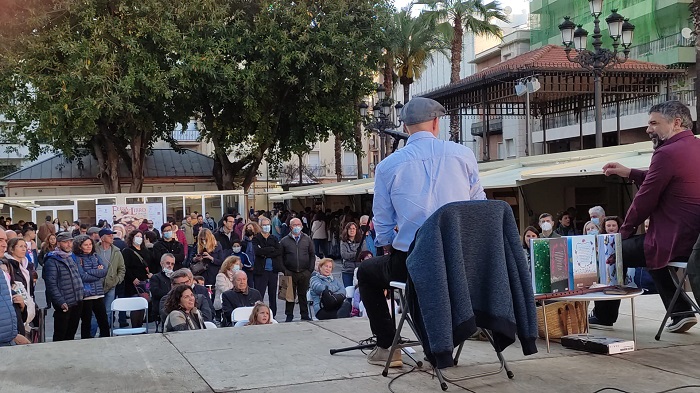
[418, 179]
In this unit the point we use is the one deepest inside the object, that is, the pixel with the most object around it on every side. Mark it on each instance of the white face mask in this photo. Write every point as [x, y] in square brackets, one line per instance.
[138, 241]
[236, 268]
[236, 250]
[546, 226]
[168, 272]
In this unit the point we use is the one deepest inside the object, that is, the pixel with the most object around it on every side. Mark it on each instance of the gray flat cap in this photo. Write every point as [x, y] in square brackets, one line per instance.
[420, 109]
[93, 230]
[64, 236]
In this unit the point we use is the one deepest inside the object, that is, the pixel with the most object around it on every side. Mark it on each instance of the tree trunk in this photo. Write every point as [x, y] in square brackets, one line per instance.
[252, 170]
[338, 157]
[108, 160]
[224, 171]
[138, 156]
[406, 92]
[301, 171]
[389, 74]
[358, 145]
[456, 65]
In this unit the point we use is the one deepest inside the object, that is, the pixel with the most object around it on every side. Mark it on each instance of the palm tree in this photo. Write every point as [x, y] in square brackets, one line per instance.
[416, 40]
[464, 15]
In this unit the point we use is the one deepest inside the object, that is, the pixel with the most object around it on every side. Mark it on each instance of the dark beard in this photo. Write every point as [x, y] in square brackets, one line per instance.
[657, 142]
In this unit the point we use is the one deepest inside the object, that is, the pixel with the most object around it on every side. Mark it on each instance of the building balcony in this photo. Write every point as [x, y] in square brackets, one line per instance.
[316, 170]
[673, 49]
[190, 135]
[495, 127]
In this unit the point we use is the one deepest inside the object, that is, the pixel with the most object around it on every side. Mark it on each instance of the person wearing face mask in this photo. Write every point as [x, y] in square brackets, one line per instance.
[136, 258]
[597, 213]
[224, 281]
[367, 231]
[249, 231]
[160, 282]
[591, 228]
[246, 260]
[547, 226]
[268, 262]
[299, 261]
[168, 245]
[669, 195]
[226, 236]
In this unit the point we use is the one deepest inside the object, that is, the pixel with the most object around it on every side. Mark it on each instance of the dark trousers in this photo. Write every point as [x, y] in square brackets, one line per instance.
[268, 281]
[65, 324]
[96, 306]
[373, 278]
[347, 279]
[320, 247]
[300, 283]
[633, 256]
[342, 312]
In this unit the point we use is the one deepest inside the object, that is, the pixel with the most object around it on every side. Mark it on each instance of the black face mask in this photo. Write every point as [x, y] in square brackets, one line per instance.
[364, 228]
[249, 233]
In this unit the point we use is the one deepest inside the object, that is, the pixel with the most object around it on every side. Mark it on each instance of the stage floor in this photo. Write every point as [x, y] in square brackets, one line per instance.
[294, 357]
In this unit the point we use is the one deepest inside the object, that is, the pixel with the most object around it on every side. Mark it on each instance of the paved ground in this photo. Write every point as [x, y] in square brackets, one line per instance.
[293, 357]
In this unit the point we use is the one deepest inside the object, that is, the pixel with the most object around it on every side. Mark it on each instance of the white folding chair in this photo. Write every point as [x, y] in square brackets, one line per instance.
[241, 314]
[680, 292]
[136, 303]
[209, 325]
[349, 292]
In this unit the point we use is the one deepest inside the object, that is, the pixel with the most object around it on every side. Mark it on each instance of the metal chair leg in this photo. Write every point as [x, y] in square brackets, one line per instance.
[669, 311]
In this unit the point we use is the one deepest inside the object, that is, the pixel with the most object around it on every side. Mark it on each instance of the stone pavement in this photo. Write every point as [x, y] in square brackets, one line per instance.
[293, 357]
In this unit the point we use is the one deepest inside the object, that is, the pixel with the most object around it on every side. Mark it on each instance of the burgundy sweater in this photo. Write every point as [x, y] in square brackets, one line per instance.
[670, 196]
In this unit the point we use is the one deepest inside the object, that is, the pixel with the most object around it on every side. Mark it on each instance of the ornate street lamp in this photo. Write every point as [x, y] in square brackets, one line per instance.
[381, 119]
[599, 59]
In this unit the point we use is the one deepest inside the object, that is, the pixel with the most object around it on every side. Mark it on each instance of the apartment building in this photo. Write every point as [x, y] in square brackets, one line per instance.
[658, 38]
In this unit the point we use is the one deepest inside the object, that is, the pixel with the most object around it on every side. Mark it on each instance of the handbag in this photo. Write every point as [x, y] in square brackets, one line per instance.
[286, 289]
[563, 318]
[144, 290]
[198, 268]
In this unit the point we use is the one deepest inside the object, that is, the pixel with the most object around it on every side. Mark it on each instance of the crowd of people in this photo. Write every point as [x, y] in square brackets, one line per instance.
[195, 272]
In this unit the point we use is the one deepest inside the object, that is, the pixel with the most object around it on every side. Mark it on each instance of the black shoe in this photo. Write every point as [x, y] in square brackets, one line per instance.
[595, 323]
[681, 324]
[290, 318]
[306, 319]
[123, 325]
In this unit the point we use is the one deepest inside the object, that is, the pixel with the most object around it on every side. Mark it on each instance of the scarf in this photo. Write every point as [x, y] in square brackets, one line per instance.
[23, 263]
[62, 254]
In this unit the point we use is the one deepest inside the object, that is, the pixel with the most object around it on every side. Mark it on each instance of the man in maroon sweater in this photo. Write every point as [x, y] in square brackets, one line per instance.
[669, 195]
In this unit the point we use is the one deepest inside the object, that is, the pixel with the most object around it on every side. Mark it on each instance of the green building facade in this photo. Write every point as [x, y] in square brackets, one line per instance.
[657, 37]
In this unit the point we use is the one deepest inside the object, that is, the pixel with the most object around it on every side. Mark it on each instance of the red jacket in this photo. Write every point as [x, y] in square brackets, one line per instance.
[670, 196]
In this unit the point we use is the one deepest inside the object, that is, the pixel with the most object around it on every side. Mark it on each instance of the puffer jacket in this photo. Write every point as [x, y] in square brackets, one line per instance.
[63, 282]
[8, 318]
[90, 274]
[319, 283]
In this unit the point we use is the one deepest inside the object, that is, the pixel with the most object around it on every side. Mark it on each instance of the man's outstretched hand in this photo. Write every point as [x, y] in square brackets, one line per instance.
[613, 168]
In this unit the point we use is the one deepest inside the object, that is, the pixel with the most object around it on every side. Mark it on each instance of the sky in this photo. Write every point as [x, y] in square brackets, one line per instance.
[517, 5]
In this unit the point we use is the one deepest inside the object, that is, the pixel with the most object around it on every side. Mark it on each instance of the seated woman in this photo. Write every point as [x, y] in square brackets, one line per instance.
[224, 281]
[260, 315]
[328, 307]
[181, 310]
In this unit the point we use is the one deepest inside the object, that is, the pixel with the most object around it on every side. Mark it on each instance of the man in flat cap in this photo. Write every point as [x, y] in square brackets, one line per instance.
[409, 186]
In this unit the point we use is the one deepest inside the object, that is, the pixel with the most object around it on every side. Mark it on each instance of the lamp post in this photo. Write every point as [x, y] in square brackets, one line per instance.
[599, 59]
[526, 86]
[380, 120]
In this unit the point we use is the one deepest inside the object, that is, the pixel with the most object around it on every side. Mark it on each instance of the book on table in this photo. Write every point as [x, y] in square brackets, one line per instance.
[610, 267]
[583, 263]
[540, 259]
[559, 264]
